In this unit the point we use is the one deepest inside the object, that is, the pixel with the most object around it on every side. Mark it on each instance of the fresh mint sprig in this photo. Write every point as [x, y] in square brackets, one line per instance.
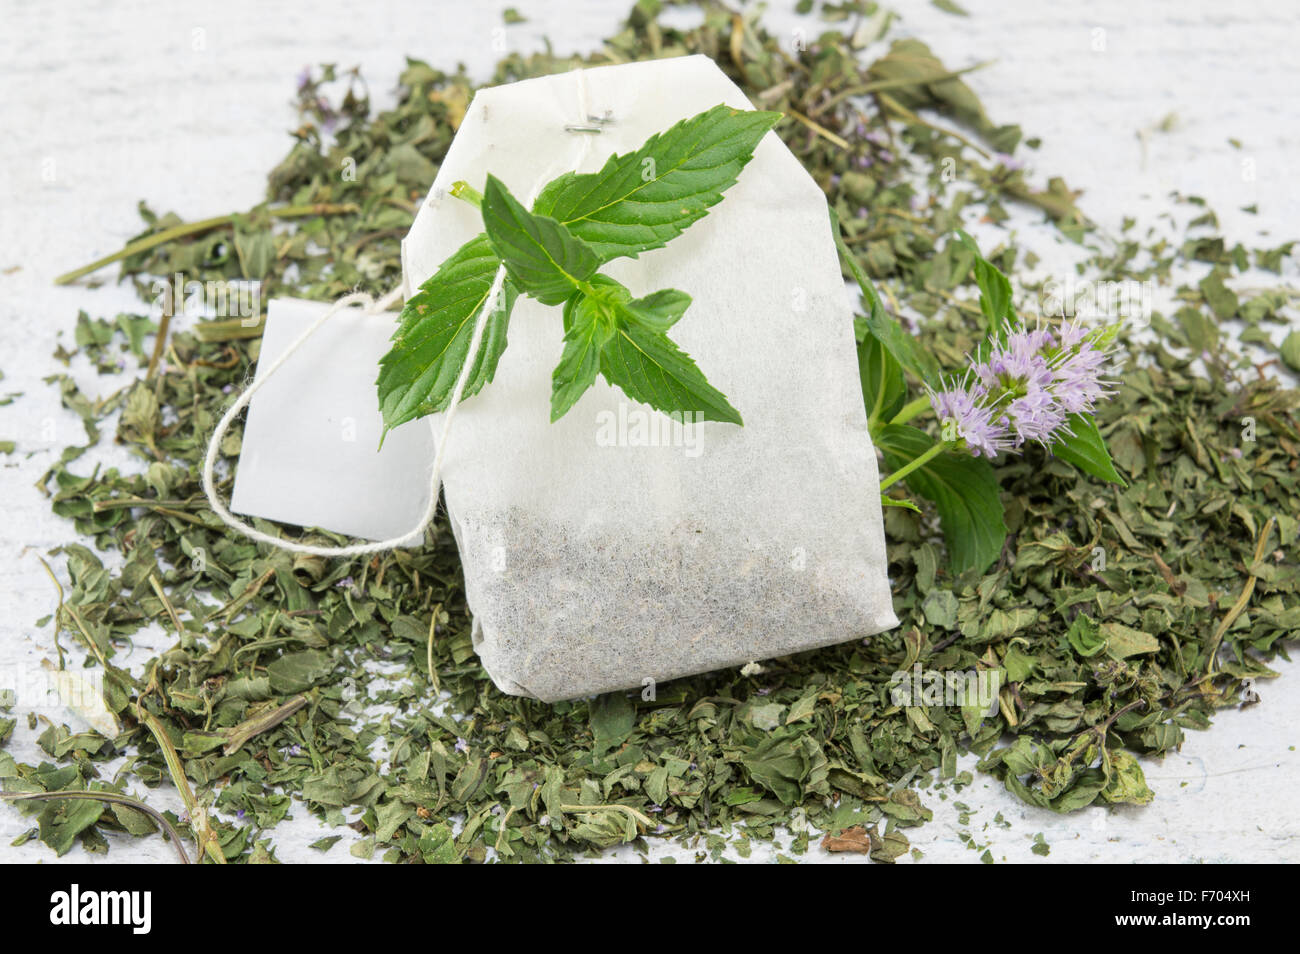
[637, 202]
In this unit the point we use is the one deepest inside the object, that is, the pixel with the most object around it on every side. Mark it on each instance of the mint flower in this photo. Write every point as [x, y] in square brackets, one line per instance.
[1078, 383]
[966, 417]
[1025, 390]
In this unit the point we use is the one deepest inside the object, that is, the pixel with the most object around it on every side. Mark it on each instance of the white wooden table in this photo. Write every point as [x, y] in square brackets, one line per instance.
[104, 103]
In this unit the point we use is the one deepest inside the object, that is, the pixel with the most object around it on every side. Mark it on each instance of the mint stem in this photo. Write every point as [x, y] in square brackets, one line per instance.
[463, 190]
[194, 228]
[911, 409]
[906, 469]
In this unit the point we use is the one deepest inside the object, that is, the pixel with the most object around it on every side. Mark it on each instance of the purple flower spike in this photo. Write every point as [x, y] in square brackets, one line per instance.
[1025, 390]
[1035, 417]
[965, 412]
[1076, 369]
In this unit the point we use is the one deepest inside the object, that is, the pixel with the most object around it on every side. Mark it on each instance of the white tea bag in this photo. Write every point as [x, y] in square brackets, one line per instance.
[309, 446]
[613, 549]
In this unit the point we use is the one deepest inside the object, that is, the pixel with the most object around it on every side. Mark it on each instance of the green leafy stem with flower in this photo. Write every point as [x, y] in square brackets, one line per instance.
[1021, 386]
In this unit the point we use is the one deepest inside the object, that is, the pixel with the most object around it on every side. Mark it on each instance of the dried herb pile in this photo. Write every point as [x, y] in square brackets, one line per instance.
[1121, 616]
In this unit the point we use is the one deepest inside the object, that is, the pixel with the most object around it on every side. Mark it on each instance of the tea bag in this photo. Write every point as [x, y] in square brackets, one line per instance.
[615, 548]
[610, 549]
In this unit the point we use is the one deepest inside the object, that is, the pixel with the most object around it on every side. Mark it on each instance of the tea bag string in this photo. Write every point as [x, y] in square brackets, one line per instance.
[374, 307]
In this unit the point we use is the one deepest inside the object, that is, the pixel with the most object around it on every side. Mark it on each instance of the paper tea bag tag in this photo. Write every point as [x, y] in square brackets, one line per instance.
[309, 447]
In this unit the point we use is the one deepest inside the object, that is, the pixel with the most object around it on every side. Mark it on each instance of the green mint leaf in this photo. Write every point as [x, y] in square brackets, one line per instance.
[995, 288]
[587, 328]
[1086, 449]
[1289, 349]
[660, 310]
[623, 338]
[901, 346]
[1085, 636]
[643, 361]
[964, 491]
[883, 387]
[418, 374]
[641, 200]
[651, 369]
[539, 253]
